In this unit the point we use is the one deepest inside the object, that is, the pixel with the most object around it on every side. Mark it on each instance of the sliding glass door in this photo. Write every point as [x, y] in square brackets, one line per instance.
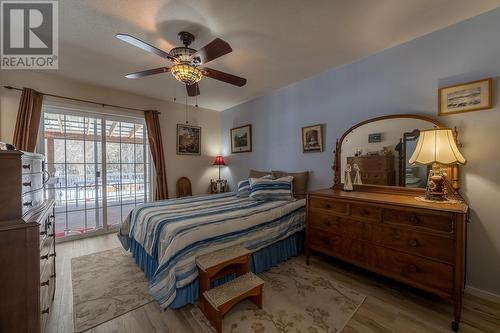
[98, 167]
[127, 165]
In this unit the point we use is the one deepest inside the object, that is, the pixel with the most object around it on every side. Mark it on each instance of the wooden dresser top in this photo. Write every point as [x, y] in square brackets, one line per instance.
[390, 199]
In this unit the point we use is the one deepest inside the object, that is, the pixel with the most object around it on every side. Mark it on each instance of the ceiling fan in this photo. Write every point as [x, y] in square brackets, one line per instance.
[186, 61]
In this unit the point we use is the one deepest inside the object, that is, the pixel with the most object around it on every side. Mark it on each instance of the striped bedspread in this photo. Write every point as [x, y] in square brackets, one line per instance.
[174, 232]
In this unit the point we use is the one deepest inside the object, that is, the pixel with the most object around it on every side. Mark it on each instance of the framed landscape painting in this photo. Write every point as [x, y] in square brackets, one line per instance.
[241, 139]
[465, 97]
[312, 138]
[188, 140]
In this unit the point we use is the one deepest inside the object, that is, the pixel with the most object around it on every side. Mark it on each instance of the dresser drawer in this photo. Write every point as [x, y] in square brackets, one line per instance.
[338, 207]
[31, 200]
[435, 221]
[420, 271]
[30, 164]
[373, 163]
[328, 222]
[46, 253]
[422, 244]
[31, 182]
[326, 242]
[365, 212]
[47, 289]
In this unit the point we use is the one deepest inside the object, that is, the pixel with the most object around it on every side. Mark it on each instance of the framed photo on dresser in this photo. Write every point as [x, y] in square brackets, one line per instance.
[241, 139]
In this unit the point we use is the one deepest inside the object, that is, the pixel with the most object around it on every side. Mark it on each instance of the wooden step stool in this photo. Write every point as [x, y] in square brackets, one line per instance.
[216, 302]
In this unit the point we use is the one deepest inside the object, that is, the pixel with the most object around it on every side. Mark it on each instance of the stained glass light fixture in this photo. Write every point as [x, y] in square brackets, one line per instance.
[186, 73]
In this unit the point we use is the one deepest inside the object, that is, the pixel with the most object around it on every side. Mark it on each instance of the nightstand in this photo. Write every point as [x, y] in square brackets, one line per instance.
[218, 186]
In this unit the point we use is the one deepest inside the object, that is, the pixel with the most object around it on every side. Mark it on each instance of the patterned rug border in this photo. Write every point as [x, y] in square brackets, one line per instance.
[99, 323]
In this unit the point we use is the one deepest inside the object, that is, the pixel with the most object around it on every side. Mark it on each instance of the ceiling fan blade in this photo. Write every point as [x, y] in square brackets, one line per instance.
[143, 45]
[215, 49]
[193, 89]
[148, 72]
[225, 77]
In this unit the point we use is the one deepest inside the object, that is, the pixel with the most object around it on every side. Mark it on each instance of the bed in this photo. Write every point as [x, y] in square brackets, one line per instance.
[166, 236]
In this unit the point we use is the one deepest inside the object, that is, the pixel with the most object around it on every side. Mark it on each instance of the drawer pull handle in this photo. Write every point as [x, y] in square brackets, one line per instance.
[45, 311]
[46, 283]
[28, 203]
[52, 254]
[413, 242]
[27, 184]
[44, 257]
[414, 219]
[27, 166]
[412, 268]
[53, 276]
[43, 233]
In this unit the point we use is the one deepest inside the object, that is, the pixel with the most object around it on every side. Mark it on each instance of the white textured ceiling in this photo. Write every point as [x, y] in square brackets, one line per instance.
[275, 42]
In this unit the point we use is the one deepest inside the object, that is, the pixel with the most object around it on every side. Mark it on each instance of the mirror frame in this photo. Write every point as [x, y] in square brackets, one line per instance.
[452, 170]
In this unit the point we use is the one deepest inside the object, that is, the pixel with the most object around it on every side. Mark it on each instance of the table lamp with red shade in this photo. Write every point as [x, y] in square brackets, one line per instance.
[219, 161]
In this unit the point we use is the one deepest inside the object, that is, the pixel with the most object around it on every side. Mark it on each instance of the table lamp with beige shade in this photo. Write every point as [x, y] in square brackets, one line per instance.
[437, 146]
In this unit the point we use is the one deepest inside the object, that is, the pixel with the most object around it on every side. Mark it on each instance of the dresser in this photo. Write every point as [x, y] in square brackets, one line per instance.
[375, 169]
[27, 244]
[418, 243]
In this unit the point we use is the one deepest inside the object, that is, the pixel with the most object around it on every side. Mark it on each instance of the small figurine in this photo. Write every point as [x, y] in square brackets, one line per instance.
[347, 179]
[357, 176]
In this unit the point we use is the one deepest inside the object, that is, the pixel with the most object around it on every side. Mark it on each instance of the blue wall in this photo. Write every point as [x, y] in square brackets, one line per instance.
[403, 79]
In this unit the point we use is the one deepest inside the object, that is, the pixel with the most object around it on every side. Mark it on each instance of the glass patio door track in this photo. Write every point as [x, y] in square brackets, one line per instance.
[98, 167]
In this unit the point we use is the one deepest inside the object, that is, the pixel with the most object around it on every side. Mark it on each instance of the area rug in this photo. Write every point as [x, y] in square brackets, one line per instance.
[106, 285]
[297, 298]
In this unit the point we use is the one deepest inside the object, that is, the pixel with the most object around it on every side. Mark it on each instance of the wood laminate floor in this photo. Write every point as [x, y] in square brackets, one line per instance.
[389, 306]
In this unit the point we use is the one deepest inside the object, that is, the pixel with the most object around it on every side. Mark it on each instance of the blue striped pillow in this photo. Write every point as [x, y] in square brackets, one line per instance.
[271, 189]
[243, 190]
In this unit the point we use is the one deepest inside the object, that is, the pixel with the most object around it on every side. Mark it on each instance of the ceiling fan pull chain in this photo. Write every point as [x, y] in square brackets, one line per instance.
[187, 122]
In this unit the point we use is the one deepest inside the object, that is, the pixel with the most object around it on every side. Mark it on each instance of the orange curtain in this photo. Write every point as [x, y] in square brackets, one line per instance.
[28, 120]
[156, 147]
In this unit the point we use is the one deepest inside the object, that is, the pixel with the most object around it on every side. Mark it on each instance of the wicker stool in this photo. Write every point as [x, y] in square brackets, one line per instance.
[221, 299]
[217, 301]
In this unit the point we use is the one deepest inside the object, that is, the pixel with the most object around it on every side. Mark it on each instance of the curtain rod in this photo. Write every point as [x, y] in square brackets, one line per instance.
[83, 100]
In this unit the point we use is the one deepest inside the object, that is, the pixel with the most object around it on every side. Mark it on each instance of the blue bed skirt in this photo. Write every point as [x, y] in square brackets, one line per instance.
[260, 261]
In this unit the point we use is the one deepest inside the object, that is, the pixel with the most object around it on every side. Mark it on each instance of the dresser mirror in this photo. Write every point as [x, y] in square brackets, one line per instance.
[380, 149]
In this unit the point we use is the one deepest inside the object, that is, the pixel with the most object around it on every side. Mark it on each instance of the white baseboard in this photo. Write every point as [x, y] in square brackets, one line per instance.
[482, 293]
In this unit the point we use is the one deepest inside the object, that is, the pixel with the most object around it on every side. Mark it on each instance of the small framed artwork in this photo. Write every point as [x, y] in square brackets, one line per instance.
[188, 140]
[374, 137]
[241, 139]
[312, 138]
[465, 97]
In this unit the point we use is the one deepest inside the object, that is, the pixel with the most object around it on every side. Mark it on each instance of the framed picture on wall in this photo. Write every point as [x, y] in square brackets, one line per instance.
[465, 97]
[188, 139]
[241, 139]
[312, 138]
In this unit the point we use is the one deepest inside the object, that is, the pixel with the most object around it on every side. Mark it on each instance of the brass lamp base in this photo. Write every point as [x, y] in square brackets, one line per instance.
[436, 189]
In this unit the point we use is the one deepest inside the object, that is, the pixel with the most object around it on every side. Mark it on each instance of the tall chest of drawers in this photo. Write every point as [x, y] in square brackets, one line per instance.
[27, 244]
[418, 243]
[375, 169]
